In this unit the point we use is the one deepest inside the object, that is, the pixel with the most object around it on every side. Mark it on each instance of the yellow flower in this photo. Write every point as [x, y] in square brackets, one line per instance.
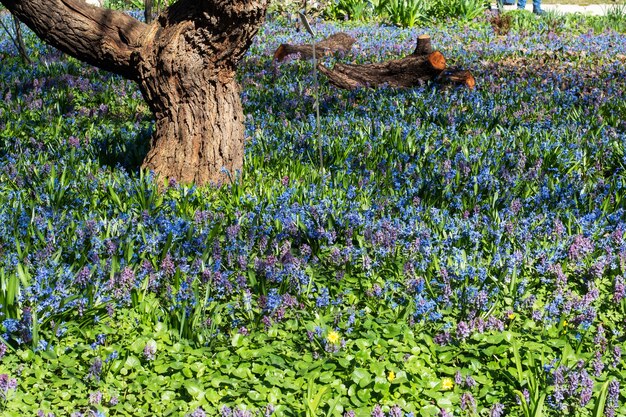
[564, 323]
[511, 316]
[446, 384]
[333, 337]
[391, 376]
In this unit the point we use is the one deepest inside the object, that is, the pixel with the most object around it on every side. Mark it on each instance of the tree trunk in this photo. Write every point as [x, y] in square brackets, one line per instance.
[198, 137]
[147, 10]
[184, 63]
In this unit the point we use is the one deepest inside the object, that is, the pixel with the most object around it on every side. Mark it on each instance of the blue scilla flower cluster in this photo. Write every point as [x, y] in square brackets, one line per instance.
[481, 205]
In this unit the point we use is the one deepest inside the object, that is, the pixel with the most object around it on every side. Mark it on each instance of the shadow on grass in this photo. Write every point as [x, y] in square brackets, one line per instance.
[126, 151]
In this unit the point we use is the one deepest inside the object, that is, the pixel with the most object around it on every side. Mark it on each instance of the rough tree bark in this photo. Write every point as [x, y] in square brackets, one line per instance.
[184, 63]
[147, 11]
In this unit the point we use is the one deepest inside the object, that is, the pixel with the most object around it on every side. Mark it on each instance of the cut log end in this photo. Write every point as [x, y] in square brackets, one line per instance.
[280, 53]
[437, 61]
[470, 82]
[458, 77]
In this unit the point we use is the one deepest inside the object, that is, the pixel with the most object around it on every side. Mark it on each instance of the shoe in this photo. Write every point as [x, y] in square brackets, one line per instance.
[539, 12]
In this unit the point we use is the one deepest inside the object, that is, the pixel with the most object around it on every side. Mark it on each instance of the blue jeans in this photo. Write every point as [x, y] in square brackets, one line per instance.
[521, 4]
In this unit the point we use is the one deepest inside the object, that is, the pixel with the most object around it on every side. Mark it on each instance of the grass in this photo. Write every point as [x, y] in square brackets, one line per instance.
[462, 252]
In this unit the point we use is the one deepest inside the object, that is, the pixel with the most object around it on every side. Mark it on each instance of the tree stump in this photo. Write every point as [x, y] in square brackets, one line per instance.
[338, 42]
[421, 66]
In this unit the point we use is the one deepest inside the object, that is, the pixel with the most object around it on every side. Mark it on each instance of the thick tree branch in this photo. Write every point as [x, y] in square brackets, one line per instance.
[221, 30]
[100, 37]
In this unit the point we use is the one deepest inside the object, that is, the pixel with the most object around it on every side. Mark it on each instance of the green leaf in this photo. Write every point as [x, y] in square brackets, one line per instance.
[429, 410]
[237, 340]
[598, 410]
[132, 362]
[361, 376]
[168, 396]
[194, 388]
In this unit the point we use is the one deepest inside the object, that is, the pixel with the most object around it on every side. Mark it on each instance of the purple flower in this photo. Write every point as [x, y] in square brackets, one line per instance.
[198, 412]
[612, 400]
[6, 384]
[600, 339]
[167, 265]
[82, 277]
[580, 247]
[238, 412]
[597, 365]
[149, 351]
[378, 411]
[73, 141]
[462, 330]
[467, 401]
[95, 370]
[516, 206]
[442, 339]
[458, 378]
[349, 413]
[122, 283]
[395, 411]
[617, 356]
[496, 410]
[445, 413]
[526, 397]
[232, 232]
[95, 398]
[587, 388]
[619, 293]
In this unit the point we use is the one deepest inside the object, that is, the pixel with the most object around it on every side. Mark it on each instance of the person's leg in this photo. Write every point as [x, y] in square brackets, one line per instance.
[521, 4]
[537, 7]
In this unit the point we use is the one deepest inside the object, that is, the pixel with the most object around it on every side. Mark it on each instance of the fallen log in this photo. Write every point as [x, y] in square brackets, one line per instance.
[338, 42]
[421, 66]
